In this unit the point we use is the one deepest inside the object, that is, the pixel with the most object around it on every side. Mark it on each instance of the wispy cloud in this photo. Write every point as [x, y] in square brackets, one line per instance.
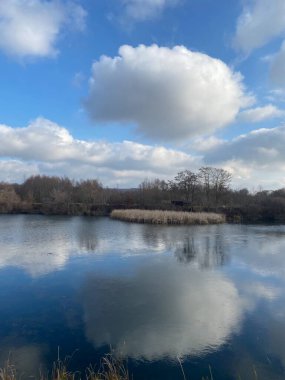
[255, 115]
[259, 23]
[142, 10]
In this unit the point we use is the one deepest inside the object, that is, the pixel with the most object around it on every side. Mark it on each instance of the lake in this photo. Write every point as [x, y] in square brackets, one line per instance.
[212, 296]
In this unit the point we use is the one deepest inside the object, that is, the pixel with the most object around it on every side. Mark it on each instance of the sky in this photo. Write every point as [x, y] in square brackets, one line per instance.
[124, 90]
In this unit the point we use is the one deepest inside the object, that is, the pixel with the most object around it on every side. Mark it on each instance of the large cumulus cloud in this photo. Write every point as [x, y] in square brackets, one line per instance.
[169, 94]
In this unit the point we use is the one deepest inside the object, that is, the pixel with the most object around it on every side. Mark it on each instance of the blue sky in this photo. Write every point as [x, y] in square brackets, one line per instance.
[184, 84]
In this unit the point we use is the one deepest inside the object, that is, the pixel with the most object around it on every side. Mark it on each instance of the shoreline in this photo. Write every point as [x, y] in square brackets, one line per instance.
[231, 214]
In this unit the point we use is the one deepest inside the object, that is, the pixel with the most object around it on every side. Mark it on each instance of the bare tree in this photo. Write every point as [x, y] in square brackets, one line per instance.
[8, 197]
[186, 182]
[153, 192]
[215, 182]
[221, 180]
[89, 191]
[205, 177]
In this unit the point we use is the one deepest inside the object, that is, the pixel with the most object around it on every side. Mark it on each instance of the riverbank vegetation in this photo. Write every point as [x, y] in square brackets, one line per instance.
[207, 190]
[167, 217]
[110, 368]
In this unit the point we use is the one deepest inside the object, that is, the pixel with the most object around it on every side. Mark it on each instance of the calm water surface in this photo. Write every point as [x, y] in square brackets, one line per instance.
[210, 295]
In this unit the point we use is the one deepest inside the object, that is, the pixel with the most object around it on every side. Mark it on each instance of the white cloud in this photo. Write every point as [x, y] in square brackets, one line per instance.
[276, 95]
[16, 170]
[259, 23]
[256, 158]
[48, 148]
[277, 69]
[32, 27]
[255, 115]
[141, 10]
[202, 144]
[78, 79]
[169, 94]
[262, 147]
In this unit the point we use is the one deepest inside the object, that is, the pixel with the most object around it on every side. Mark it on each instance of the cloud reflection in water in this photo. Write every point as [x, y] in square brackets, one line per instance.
[161, 310]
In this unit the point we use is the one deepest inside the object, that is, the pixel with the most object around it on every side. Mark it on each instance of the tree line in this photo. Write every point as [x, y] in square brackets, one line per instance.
[208, 189]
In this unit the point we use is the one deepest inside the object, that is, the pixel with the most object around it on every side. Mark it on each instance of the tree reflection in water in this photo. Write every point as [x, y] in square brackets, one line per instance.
[208, 252]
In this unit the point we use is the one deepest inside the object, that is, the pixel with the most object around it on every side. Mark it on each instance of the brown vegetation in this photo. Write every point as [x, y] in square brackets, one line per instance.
[206, 190]
[111, 368]
[168, 217]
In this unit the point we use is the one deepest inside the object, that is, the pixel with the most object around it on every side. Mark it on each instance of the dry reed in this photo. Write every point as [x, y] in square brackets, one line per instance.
[8, 371]
[168, 217]
[111, 368]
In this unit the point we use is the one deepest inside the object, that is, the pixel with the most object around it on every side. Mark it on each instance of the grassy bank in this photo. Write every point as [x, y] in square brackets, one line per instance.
[168, 217]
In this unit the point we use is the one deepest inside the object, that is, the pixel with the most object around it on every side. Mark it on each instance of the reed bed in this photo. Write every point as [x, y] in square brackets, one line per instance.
[168, 217]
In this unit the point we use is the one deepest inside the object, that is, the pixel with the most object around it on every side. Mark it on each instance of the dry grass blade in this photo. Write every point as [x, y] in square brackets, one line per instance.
[182, 370]
[60, 372]
[113, 369]
[8, 372]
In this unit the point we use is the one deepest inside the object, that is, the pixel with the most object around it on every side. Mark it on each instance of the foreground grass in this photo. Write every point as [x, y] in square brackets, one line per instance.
[110, 369]
[168, 217]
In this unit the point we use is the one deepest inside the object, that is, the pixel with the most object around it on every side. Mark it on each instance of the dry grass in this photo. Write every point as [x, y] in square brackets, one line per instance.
[59, 372]
[168, 217]
[8, 372]
[111, 368]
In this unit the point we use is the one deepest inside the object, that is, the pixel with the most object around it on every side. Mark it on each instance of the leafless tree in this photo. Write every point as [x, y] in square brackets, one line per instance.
[186, 182]
[214, 181]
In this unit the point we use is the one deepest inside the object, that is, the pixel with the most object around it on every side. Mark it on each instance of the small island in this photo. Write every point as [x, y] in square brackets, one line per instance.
[168, 217]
